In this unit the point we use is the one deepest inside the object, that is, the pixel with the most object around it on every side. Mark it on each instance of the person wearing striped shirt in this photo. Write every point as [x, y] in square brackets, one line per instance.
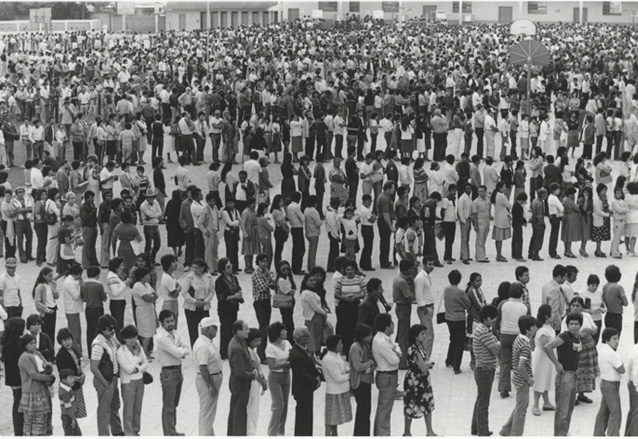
[522, 375]
[486, 350]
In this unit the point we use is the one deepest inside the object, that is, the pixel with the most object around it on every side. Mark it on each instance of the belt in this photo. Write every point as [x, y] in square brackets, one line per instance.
[569, 372]
[176, 367]
[388, 372]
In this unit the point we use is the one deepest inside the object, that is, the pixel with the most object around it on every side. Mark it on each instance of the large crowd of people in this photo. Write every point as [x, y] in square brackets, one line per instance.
[80, 110]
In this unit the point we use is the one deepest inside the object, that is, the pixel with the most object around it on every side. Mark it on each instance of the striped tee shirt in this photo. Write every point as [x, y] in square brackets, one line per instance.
[521, 349]
[483, 342]
[350, 287]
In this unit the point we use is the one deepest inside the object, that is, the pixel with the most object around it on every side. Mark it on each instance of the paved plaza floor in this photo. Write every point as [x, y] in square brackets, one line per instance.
[454, 395]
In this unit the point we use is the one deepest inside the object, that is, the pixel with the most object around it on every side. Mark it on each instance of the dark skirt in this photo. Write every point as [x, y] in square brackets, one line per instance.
[599, 234]
[288, 187]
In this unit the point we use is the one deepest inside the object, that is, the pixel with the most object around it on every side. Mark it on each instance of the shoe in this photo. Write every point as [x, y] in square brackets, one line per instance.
[505, 394]
[367, 269]
[466, 262]
[299, 273]
[501, 259]
[452, 259]
[485, 261]
[521, 260]
[569, 255]
[538, 259]
[555, 257]
[457, 372]
[577, 402]
[583, 253]
[449, 262]
[583, 398]
[536, 412]
[439, 265]
[249, 271]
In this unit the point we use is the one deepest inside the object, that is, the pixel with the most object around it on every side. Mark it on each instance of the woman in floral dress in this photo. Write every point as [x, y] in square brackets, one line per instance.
[601, 230]
[418, 400]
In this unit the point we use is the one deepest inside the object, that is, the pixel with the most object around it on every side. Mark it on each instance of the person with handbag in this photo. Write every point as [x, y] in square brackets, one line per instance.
[105, 369]
[133, 365]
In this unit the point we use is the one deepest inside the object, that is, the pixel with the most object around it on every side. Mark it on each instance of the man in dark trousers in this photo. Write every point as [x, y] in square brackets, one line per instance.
[241, 377]
[385, 212]
[369, 307]
[305, 380]
[88, 217]
[297, 221]
[352, 173]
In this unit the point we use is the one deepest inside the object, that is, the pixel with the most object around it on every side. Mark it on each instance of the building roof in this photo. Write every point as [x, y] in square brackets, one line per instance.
[219, 6]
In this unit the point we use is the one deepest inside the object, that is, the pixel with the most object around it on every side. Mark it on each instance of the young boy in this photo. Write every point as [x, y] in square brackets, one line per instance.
[522, 376]
[67, 404]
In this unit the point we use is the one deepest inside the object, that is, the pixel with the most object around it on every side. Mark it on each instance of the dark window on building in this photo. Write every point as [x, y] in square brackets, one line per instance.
[467, 7]
[612, 8]
[328, 6]
[538, 8]
[355, 7]
[390, 6]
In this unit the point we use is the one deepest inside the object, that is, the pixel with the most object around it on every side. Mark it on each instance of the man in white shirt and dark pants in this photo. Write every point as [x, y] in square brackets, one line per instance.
[611, 366]
[424, 295]
[387, 355]
[209, 375]
[171, 351]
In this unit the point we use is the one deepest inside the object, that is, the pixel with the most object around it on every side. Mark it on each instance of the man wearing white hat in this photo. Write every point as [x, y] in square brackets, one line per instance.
[209, 375]
[151, 212]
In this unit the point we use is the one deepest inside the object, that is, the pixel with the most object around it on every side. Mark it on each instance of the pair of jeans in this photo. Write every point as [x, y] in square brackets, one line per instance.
[466, 228]
[192, 321]
[227, 316]
[425, 314]
[365, 261]
[232, 247]
[263, 310]
[69, 429]
[92, 315]
[132, 395]
[536, 241]
[281, 236]
[631, 429]
[171, 381]
[387, 384]
[303, 415]
[153, 241]
[479, 141]
[41, 231]
[279, 386]
[565, 399]
[609, 415]
[613, 320]
[507, 343]
[73, 323]
[363, 397]
[403, 311]
[208, 403]
[346, 322]
[189, 251]
[298, 248]
[516, 422]
[457, 344]
[385, 233]
[117, 308]
[484, 378]
[24, 234]
[313, 244]
[333, 253]
[554, 221]
[108, 407]
[449, 229]
[89, 253]
[238, 414]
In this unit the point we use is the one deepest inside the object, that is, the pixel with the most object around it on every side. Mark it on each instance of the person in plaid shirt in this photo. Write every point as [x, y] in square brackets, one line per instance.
[263, 281]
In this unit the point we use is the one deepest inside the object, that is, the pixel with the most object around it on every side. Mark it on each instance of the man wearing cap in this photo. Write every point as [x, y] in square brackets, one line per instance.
[151, 212]
[23, 208]
[209, 375]
[10, 289]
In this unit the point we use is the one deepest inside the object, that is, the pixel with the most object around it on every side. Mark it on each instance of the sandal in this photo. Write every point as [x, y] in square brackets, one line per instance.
[536, 412]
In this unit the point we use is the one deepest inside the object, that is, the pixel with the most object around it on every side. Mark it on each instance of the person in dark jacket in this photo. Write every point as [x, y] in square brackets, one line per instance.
[518, 222]
[369, 306]
[241, 377]
[11, 351]
[305, 380]
[551, 172]
[43, 341]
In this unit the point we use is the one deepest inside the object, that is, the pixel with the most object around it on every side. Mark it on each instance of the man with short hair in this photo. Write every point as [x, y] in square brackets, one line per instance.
[241, 377]
[486, 350]
[88, 218]
[297, 219]
[10, 289]
[424, 296]
[464, 213]
[522, 277]
[312, 223]
[385, 211]
[171, 351]
[481, 208]
[553, 295]
[208, 224]
[305, 380]
[209, 375]
[168, 288]
[403, 295]
[262, 282]
[537, 221]
[23, 208]
[150, 214]
[93, 295]
[609, 415]
[387, 356]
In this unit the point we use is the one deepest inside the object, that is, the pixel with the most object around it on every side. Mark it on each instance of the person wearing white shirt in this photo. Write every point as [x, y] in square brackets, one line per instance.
[609, 415]
[168, 288]
[335, 371]
[464, 212]
[171, 351]
[253, 169]
[117, 290]
[37, 180]
[387, 355]
[73, 303]
[297, 219]
[209, 375]
[150, 214]
[133, 363]
[555, 210]
[424, 295]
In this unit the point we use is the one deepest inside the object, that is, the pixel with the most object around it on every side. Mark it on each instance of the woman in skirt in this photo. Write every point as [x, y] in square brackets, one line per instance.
[571, 228]
[502, 230]
[588, 364]
[407, 134]
[36, 376]
[420, 177]
[250, 233]
[335, 371]
[296, 136]
[601, 223]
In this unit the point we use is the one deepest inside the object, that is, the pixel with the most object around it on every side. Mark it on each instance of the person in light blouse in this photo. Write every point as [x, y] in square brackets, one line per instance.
[133, 363]
[197, 289]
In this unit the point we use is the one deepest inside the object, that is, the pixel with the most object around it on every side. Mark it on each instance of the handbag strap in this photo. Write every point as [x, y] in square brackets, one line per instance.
[438, 309]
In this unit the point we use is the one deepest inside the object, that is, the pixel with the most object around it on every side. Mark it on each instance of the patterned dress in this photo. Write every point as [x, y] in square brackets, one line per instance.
[603, 233]
[418, 399]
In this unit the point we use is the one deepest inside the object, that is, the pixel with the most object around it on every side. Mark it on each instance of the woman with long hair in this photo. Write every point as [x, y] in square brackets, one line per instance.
[362, 367]
[418, 400]
[285, 285]
[133, 363]
[11, 351]
[288, 172]
[313, 313]
[68, 357]
[277, 353]
[502, 219]
[477, 301]
[586, 209]
[145, 297]
[229, 297]
[36, 376]
[126, 232]
[601, 223]
[542, 366]
[174, 233]
[265, 230]
[45, 293]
